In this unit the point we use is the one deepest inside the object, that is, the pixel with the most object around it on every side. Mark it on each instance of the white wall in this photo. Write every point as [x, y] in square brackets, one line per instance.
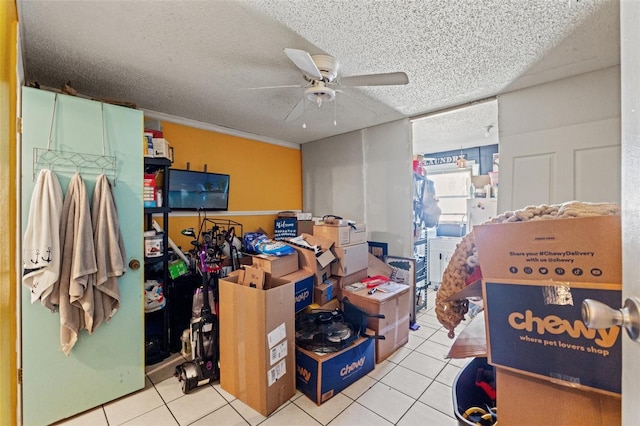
[560, 141]
[365, 176]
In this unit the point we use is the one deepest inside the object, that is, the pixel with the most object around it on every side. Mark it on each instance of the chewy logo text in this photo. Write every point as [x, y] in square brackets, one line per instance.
[555, 325]
[302, 296]
[303, 373]
[349, 368]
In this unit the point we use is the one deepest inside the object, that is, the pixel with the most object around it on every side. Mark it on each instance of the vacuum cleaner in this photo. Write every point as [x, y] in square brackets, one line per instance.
[203, 368]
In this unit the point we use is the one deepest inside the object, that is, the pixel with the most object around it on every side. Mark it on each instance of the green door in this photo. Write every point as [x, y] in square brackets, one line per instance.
[110, 362]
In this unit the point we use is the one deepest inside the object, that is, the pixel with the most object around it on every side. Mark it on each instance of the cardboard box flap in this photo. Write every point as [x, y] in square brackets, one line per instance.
[378, 267]
[251, 277]
[585, 249]
[321, 247]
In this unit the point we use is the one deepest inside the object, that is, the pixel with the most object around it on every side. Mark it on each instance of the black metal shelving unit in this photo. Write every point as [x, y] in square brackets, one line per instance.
[157, 322]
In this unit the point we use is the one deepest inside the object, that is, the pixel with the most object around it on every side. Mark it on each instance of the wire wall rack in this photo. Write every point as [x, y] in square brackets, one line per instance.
[71, 161]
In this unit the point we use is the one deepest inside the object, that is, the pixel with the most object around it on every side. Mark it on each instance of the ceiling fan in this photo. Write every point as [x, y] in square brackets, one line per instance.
[321, 73]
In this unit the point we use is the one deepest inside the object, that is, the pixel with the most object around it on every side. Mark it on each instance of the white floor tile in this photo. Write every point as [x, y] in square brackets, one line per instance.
[328, 410]
[94, 417]
[414, 341]
[226, 395]
[429, 321]
[407, 381]
[421, 414]
[225, 416]
[440, 397]
[196, 404]
[247, 413]
[161, 416]
[423, 364]
[297, 395]
[386, 402]
[425, 331]
[381, 369]
[441, 337]
[356, 389]
[399, 355]
[448, 374]
[357, 415]
[169, 389]
[459, 362]
[290, 415]
[433, 349]
[130, 407]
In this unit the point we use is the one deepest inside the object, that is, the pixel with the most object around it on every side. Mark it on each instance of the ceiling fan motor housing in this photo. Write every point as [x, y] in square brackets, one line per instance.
[327, 65]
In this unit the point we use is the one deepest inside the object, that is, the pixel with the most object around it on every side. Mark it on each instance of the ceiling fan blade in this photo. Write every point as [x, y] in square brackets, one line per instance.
[386, 79]
[356, 101]
[297, 110]
[303, 60]
[298, 86]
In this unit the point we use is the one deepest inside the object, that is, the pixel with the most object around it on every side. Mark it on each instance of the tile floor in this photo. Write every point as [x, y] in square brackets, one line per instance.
[412, 387]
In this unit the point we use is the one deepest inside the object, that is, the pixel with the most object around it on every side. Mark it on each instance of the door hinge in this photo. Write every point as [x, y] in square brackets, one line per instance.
[19, 376]
[19, 124]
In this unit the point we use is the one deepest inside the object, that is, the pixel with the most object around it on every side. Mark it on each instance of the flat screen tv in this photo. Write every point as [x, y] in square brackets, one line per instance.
[192, 190]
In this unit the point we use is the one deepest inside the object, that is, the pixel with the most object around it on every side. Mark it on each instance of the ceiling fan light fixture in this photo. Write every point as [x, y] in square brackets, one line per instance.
[320, 93]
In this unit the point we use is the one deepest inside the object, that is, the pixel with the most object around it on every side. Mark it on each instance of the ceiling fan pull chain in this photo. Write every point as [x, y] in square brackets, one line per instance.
[304, 114]
[335, 107]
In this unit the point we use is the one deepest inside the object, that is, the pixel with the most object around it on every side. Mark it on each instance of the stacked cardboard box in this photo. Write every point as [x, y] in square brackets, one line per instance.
[257, 363]
[395, 305]
[318, 263]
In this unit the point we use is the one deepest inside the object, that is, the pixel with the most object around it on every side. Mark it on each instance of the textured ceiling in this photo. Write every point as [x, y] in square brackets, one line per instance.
[195, 59]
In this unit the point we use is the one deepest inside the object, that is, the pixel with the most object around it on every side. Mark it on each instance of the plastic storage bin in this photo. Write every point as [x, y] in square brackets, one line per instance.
[467, 394]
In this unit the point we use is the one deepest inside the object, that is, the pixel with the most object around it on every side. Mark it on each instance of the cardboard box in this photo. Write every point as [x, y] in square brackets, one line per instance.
[535, 277]
[257, 361]
[351, 278]
[338, 234]
[350, 259]
[303, 288]
[161, 148]
[321, 376]
[289, 227]
[517, 391]
[395, 325]
[344, 235]
[277, 266]
[296, 215]
[324, 292]
[317, 263]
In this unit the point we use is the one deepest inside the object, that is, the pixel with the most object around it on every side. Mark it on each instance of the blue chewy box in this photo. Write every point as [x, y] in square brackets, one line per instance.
[320, 377]
[303, 288]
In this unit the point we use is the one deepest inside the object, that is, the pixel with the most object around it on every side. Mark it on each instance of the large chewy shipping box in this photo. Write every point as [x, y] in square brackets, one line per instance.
[395, 307]
[535, 277]
[257, 361]
[321, 376]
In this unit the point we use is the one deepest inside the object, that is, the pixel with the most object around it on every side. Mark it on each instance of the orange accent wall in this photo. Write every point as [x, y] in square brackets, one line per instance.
[8, 325]
[263, 176]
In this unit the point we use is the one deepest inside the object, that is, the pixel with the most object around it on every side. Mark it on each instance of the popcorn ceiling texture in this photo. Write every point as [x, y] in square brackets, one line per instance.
[194, 59]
